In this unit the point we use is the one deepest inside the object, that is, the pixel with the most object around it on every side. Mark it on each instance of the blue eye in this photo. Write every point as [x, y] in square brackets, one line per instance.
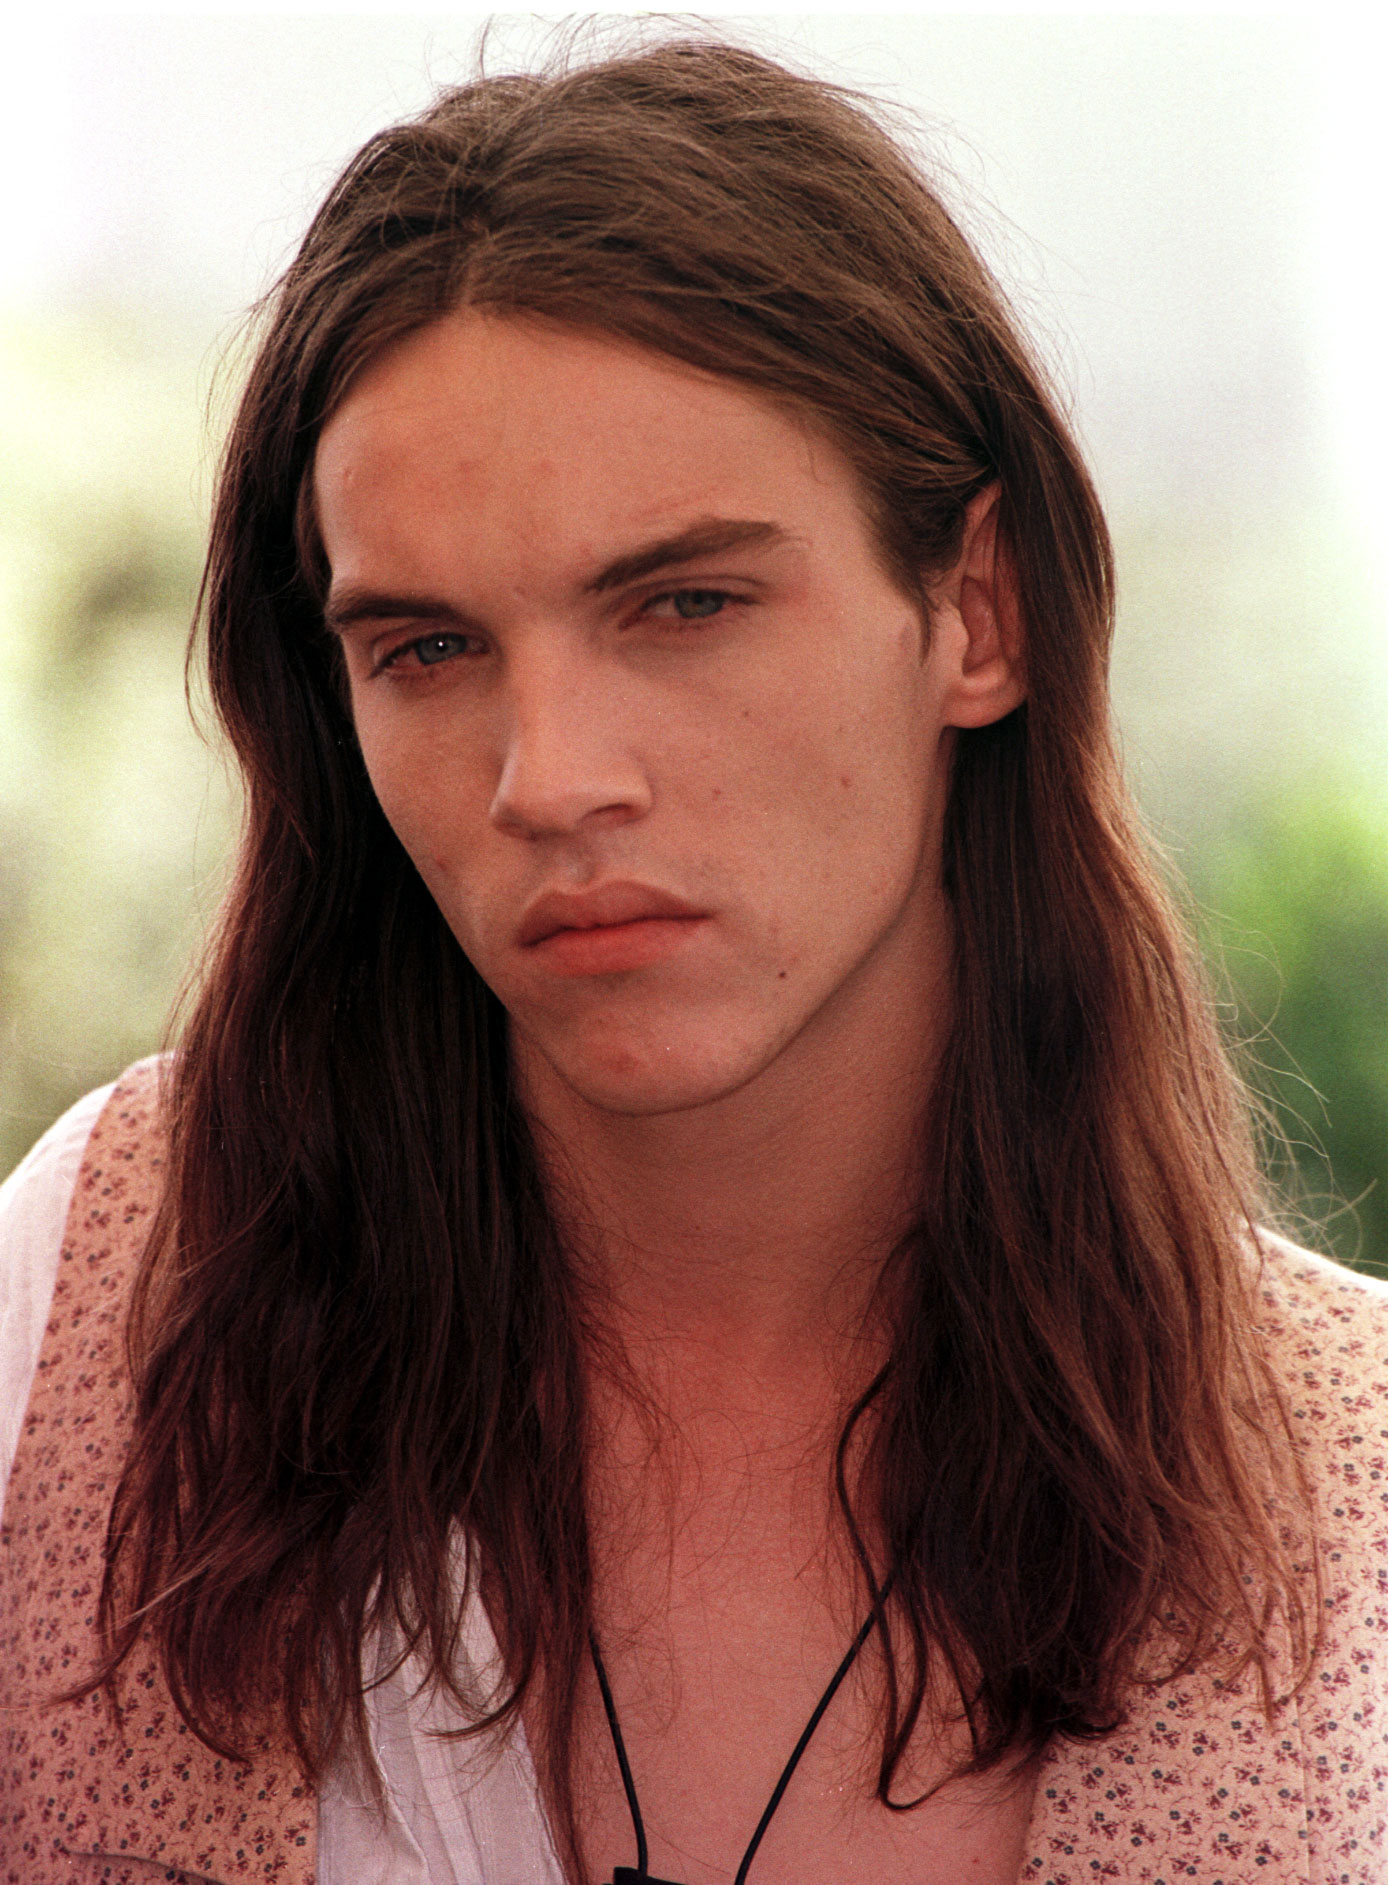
[693, 605]
[432, 648]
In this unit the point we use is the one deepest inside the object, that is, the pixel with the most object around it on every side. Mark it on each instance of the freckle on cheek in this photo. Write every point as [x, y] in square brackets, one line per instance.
[845, 780]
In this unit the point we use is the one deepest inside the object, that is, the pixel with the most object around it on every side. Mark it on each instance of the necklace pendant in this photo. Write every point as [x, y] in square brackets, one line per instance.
[628, 1875]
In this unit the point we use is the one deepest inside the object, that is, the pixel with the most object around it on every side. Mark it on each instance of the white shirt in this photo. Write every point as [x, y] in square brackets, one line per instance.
[457, 1812]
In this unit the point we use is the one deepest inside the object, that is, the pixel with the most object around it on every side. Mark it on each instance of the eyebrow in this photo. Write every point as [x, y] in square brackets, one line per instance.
[710, 537]
[352, 603]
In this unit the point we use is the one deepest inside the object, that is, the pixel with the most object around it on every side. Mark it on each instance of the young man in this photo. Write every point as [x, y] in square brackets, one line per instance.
[691, 1283]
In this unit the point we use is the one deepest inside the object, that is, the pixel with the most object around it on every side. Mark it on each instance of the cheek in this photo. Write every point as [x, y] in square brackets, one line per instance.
[423, 795]
[823, 821]
[848, 756]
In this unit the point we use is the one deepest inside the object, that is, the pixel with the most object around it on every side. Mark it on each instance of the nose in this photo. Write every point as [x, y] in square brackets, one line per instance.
[567, 759]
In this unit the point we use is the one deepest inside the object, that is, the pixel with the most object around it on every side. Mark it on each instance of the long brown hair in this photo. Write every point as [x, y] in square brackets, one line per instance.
[357, 1332]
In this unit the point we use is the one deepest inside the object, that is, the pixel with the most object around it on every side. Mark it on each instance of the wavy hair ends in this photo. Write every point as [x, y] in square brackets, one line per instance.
[356, 1332]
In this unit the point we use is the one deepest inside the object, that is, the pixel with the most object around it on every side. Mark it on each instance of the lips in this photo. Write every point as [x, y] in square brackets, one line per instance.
[605, 906]
[610, 930]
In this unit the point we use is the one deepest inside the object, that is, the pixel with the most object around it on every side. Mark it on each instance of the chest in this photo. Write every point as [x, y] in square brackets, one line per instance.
[705, 1781]
[721, 1628]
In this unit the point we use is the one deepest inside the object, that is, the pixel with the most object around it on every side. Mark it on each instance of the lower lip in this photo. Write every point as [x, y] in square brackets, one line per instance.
[612, 947]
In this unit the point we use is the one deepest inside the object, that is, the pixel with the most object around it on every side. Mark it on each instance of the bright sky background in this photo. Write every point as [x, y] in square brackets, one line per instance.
[1189, 207]
[1194, 204]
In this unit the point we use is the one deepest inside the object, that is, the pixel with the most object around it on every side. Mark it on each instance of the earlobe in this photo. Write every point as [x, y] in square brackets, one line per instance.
[989, 671]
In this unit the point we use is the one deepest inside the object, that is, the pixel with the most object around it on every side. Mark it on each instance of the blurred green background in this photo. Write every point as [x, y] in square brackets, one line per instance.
[1162, 197]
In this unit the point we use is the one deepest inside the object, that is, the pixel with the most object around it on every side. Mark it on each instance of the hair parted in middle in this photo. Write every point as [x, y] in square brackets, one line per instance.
[357, 1331]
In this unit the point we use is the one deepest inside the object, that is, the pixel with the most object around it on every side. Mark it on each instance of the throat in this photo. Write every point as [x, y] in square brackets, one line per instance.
[625, 1875]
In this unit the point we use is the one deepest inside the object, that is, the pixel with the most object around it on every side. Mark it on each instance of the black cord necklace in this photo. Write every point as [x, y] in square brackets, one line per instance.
[638, 1874]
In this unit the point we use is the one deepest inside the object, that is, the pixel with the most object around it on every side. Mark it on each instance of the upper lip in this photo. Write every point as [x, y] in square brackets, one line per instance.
[596, 908]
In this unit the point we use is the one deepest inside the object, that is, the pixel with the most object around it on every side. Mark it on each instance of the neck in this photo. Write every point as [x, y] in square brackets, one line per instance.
[745, 1237]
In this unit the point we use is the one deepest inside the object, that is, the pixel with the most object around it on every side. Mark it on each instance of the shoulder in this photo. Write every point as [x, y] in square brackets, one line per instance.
[1326, 1331]
[115, 1198]
[34, 1204]
[1326, 1327]
[43, 1179]
[107, 1133]
[82, 1196]
[119, 1124]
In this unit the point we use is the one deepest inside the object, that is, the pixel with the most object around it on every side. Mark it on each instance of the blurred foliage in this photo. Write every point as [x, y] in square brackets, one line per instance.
[1297, 900]
[115, 818]
[1251, 661]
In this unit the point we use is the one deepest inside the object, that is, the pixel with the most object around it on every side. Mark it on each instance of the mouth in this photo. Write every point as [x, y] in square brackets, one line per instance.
[605, 930]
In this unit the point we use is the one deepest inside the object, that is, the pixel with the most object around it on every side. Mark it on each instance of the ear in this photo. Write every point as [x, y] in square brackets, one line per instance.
[977, 608]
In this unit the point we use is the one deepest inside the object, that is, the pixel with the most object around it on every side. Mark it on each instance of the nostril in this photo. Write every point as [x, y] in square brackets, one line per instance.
[550, 803]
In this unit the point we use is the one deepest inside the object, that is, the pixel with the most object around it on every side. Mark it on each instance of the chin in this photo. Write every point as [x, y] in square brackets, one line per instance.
[643, 1076]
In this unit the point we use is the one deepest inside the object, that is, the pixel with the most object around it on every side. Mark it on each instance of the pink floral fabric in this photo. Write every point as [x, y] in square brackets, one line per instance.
[86, 1794]
[1197, 1784]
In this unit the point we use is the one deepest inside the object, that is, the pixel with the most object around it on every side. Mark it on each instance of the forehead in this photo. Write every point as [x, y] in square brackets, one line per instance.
[560, 435]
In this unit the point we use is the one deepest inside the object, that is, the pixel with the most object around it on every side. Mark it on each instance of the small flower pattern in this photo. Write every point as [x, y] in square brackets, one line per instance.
[89, 1793]
[1197, 1784]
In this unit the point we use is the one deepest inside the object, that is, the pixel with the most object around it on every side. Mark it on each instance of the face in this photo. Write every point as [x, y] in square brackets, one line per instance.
[664, 740]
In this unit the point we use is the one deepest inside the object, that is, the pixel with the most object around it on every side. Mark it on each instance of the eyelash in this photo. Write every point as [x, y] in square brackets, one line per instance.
[724, 596]
[396, 658]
